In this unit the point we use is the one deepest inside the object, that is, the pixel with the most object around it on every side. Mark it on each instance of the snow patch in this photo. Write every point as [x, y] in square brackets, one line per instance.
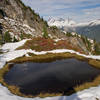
[13, 46]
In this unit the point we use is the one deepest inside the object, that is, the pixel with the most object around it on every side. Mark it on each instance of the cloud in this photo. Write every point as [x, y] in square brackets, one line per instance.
[76, 9]
[94, 12]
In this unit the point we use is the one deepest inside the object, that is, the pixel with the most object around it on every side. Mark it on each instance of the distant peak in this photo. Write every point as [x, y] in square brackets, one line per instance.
[61, 22]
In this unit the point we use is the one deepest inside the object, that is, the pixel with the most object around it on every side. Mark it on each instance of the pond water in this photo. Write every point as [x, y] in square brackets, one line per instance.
[59, 76]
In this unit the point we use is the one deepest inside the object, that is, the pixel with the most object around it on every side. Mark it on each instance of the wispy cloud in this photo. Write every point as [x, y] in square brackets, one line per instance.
[79, 10]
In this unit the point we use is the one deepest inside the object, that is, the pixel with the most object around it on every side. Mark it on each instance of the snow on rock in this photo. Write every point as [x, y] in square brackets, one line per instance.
[95, 22]
[17, 27]
[25, 25]
[60, 22]
[56, 40]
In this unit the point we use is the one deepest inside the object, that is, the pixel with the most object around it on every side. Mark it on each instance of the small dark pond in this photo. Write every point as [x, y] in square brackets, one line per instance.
[59, 76]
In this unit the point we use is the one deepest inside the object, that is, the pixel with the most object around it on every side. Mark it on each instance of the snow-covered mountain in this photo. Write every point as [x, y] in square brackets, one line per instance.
[90, 23]
[90, 29]
[60, 22]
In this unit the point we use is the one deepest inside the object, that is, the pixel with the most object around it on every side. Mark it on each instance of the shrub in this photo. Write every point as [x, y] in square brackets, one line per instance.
[15, 40]
[46, 24]
[97, 49]
[87, 42]
[69, 34]
[21, 36]
[25, 36]
[7, 37]
[54, 27]
[45, 33]
[0, 39]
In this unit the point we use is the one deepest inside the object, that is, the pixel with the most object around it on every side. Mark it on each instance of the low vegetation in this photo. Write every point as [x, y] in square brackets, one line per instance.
[69, 34]
[7, 37]
[87, 42]
[47, 44]
[14, 39]
[86, 85]
[97, 48]
[53, 27]
[47, 57]
[95, 63]
[25, 36]
[0, 39]
[45, 33]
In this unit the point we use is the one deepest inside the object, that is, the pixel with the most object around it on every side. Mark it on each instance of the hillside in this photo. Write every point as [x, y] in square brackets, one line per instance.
[19, 19]
[18, 22]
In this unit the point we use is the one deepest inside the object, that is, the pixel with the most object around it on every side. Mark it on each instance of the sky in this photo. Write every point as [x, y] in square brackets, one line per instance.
[77, 10]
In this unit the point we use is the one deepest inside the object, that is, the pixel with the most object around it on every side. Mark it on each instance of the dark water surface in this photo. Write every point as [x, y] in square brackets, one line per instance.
[56, 77]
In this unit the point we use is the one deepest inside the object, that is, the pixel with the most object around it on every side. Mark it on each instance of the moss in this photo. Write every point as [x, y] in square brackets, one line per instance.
[95, 63]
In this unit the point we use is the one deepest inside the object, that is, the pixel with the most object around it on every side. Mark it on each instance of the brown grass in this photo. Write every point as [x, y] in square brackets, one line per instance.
[47, 57]
[86, 85]
[95, 63]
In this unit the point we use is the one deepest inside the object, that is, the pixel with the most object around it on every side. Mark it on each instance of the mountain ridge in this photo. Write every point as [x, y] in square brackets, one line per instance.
[90, 29]
[52, 21]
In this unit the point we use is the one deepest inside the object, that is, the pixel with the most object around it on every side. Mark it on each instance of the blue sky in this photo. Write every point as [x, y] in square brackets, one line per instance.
[78, 10]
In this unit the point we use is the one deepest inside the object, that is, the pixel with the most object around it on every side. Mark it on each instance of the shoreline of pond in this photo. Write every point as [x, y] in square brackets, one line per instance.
[49, 58]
